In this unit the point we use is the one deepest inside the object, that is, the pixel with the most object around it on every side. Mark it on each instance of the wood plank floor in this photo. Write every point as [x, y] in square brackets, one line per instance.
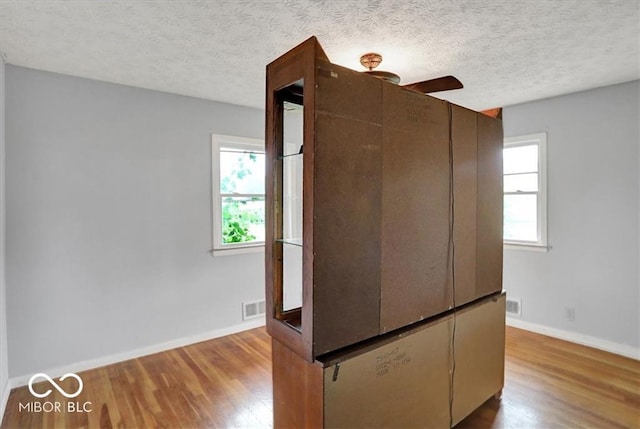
[226, 383]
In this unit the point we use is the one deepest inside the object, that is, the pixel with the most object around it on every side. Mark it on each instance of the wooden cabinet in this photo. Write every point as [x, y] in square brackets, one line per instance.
[403, 379]
[375, 200]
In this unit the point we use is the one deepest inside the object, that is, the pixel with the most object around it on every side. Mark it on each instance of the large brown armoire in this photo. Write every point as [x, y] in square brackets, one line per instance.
[383, 249]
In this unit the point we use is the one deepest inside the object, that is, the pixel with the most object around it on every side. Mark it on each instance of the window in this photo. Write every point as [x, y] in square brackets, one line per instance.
[525, 190]
[238, 173]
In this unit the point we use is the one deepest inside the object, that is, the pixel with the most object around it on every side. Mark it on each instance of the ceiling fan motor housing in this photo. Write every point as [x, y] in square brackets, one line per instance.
[371, 60]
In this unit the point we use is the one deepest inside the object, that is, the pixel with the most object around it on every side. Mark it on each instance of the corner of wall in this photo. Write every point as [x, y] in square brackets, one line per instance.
[588, 222]
[4, 366]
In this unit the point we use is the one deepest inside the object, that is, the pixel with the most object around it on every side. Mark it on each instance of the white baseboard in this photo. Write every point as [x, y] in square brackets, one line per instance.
[136, 353]
[585, 340]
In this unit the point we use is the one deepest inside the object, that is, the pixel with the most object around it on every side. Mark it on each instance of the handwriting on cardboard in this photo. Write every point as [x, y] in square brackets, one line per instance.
[392, 360]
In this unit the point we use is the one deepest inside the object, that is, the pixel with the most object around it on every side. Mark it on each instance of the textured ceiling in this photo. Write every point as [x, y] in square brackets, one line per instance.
[505, 52]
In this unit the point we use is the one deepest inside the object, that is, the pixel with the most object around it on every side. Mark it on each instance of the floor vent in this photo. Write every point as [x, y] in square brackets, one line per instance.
[251, 310]
[514, 306]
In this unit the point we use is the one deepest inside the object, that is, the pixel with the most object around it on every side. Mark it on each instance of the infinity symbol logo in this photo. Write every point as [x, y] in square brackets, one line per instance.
[54, 384]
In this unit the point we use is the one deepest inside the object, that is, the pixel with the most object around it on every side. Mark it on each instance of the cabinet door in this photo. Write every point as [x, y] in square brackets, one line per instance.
[465, 187]
[479, 351]
[415, 209]
[401, 384]
[346, 208]
[346, 271]
[490, 201]
[406, 382]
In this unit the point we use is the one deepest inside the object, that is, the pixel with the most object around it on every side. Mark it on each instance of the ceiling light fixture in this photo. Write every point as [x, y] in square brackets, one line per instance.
[373, 60]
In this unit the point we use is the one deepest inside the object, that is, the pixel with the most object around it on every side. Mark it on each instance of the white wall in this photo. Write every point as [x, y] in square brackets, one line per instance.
[593, 184]
[4, 365]
[109, 220]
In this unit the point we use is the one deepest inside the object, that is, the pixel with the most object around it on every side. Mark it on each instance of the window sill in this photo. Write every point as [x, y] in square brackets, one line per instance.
[526, 247]
[238, 250]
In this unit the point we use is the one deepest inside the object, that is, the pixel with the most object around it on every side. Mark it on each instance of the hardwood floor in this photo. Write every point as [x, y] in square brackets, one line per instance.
[226, 382]
[551, 383]
[220, 383]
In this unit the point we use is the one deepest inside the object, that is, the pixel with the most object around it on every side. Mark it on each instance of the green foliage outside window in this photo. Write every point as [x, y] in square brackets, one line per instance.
[241, 216]
[238, 216]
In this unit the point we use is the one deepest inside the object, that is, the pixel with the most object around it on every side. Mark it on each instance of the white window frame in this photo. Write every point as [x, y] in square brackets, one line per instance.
[539, 139]
[242, 143]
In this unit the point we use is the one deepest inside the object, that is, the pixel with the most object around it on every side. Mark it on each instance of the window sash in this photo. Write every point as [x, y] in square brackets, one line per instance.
[521, 223]
[233, 194]
[538, 140]
[522, 182]
[230, 144]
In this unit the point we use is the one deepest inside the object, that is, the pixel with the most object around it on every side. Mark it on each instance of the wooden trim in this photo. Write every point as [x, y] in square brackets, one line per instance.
[494, 113]
[298, 390]
[292, 67]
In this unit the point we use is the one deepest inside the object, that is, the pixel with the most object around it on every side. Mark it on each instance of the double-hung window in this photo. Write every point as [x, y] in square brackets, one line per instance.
[525, 190]
[238, 181]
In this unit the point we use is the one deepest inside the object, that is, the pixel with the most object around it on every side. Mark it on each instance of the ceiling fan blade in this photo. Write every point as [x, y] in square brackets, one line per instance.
[444, 83]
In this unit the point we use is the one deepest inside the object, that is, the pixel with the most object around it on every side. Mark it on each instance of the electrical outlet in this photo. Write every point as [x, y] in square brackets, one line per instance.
[570, 314]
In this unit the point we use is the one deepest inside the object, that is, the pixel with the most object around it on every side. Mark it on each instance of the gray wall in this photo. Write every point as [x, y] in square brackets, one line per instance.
[4, 366]
[593, 215]
[109, 219]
